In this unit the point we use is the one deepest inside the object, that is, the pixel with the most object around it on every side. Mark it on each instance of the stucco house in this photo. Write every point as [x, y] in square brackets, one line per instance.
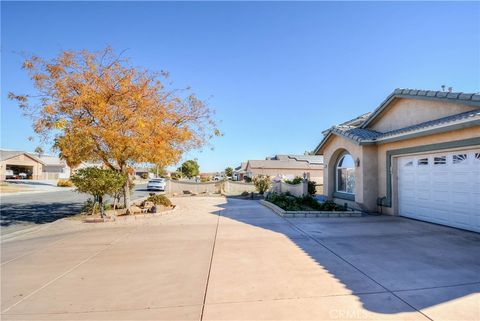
[239, 172]
[33, 165]
[287, 167]
[416, 155]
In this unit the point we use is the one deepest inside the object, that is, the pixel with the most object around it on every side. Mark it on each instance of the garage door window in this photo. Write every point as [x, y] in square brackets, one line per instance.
[459, 158]
[346, 174]
[423, 161]
[440, 160]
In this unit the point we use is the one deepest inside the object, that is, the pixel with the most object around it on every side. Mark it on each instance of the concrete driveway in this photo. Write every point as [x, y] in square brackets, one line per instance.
[219, 259]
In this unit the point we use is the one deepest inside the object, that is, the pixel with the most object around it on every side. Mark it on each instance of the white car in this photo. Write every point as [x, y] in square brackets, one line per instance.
[157, 184]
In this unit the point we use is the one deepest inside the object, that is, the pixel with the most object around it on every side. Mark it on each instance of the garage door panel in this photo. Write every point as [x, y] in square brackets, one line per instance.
[460, 198]
[441, 188]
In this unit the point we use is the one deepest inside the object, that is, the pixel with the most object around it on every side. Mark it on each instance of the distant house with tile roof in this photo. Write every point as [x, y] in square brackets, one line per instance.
[287, 167]
[416, 155]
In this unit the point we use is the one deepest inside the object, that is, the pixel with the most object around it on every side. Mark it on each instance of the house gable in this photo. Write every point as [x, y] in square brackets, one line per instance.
[404, 112]
[23, 159]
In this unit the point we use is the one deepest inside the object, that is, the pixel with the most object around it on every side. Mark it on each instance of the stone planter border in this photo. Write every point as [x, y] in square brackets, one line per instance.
[291, 214]
[131, 217]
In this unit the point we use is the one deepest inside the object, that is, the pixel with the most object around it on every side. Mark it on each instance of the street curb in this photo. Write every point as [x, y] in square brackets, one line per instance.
[2, 195]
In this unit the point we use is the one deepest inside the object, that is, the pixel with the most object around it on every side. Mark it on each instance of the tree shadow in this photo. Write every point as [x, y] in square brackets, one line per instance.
[38, 213]
[420, 263]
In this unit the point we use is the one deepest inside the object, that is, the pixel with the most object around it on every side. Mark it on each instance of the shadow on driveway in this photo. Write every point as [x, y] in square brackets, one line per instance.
[421, 264]
[12, 213]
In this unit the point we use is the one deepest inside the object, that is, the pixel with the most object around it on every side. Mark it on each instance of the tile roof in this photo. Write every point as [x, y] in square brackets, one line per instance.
[312, 159]
[361, 134]
[437, 93]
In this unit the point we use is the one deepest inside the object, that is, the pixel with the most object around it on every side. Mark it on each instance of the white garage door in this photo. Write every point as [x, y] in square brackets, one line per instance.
[442, 188]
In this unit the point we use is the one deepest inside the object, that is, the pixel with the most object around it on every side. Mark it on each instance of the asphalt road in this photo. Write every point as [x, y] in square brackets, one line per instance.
[45, 207]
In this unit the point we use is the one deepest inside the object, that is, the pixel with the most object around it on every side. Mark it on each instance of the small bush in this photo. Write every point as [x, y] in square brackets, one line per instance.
[295, 181]
[245, 193]
[92, 207]
[312, 188]
[175, 175]
[88, 206]
[144, 175]
[159, 200]
[64, 183]
[262, 183]
[247, 179]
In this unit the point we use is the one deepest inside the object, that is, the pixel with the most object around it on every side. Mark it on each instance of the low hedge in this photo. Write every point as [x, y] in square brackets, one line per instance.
[289, 202]
[64, 183]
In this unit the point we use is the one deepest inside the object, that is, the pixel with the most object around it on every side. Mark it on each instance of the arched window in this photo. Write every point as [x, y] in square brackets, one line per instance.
[346, 174]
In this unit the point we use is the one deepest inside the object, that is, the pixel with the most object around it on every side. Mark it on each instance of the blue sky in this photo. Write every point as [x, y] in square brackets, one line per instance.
[277, 73]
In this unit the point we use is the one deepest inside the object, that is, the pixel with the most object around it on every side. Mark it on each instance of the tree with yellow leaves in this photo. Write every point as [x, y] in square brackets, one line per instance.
[97, 107]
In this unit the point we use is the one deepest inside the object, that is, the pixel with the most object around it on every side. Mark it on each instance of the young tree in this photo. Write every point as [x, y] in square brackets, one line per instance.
[39, 151]
[229, 171]
[98, 183]
[262, 183]
[98, 107]
[175, 175]
[189, 168]
[159, 171]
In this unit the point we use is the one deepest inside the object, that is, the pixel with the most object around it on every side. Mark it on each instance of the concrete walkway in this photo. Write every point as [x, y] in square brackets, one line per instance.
[218, 259]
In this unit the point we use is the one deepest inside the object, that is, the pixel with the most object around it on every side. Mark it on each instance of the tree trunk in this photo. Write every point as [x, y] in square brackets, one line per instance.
[126, 194]
[102, 210]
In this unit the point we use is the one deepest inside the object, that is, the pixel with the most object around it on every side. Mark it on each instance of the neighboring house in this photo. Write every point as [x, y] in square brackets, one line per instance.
[31, 165]
[416, 155]
[239, 172]
[144, 172]
[287, 167]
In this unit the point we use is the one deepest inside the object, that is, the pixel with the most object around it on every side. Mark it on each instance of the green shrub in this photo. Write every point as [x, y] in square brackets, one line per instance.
[175, 175]
[262, 183]
[245, 193]
[295, 181]
[247, 179]
[312, 188]
[158, 199]
[98, 182]
[144, 175]
[307, 203]
[64, 183]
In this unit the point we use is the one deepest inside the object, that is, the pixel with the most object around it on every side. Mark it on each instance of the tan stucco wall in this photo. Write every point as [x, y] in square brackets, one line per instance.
[22, 160]
[371, 176]
[406, 112]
